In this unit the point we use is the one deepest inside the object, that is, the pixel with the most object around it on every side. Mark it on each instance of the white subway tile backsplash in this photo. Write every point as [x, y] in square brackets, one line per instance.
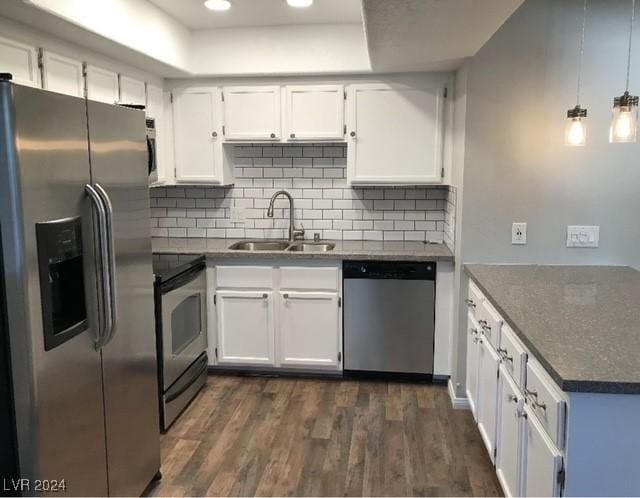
[315, 175]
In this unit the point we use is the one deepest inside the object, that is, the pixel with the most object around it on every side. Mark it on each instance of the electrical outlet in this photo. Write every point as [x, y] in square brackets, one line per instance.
[583, 236]
[238, 215]
[519, 233]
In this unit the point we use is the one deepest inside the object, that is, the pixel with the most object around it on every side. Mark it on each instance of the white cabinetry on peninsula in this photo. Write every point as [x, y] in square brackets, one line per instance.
[280, 316]
[545, 440]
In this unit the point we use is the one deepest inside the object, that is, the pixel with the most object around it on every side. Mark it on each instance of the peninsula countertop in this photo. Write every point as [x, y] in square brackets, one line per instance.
[344, 250]
[582, 323]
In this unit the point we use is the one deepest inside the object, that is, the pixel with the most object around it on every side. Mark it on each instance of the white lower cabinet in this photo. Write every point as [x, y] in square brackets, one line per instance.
[309, 329]
[473, 354]
[509, 435]
[488, 362]
[543, 461]
[245, 327]
[268, 316]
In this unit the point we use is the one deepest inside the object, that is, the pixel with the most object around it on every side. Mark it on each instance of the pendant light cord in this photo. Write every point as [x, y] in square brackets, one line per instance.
[633, 16]
[584, 23]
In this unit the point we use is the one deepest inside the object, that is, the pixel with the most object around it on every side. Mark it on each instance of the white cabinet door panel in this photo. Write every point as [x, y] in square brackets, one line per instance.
[21, 61]
[132, 91]
[395, 135]
[509, 436]
[252, 112]
[473, 352]
[245, 327]
[543, 461]
[309, 329]
[488, 395]
[195, 126]
[314, 112]
[102, 85]
[62, 74]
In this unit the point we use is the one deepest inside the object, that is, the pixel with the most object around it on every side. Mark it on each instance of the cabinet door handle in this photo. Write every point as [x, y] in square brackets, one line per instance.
[542, 406]
[470, 303]
[353, 133]
[531, 392]
[214, 134]
[522, 414]
[273, 135]
[286, 296]
[512, 397]
[503, 354]
[293, 135]
[265, 296]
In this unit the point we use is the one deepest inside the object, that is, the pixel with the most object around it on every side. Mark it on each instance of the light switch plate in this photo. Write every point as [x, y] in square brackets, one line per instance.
[519, 233]
[583, 236]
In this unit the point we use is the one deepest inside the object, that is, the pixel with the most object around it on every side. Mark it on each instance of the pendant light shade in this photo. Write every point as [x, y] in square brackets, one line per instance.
[624, 117]
[575, 134]
[624, 122]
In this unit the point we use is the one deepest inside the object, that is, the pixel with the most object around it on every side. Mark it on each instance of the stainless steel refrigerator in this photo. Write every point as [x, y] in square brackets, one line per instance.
[74, 219]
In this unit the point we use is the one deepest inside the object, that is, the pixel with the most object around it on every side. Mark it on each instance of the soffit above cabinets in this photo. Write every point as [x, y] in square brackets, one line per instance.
[434, 35]
[266, 37]
[249, 13]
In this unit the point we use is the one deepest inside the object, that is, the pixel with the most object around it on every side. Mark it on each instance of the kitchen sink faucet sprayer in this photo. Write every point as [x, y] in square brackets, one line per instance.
[293, 233]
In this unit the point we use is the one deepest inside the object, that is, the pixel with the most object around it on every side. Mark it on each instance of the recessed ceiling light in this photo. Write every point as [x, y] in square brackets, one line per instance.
[300, 3]
[219, 5]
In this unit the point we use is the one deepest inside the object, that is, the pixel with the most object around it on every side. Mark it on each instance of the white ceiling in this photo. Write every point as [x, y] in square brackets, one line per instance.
[414, 35]
[245, 13]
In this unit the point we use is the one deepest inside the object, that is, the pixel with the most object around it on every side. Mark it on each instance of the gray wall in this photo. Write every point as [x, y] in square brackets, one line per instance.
[516, 168]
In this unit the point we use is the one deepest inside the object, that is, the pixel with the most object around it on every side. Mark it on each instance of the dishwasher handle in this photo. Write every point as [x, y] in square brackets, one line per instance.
[394, 270]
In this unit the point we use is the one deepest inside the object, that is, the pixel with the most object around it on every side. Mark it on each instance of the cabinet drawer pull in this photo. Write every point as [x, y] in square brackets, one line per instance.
[522, 414]
[265, 296]
[286, 296]
[293, 135]
[470, 303]
[503, 354]
[512, 397]
[273, 135]
[532, 393]
[542, 406]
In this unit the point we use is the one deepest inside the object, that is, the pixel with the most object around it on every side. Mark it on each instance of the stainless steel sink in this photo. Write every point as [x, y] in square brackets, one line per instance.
[312, 247]
[260, 245]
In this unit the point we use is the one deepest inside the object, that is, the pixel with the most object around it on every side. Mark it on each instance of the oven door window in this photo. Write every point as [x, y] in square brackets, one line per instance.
[186, 323]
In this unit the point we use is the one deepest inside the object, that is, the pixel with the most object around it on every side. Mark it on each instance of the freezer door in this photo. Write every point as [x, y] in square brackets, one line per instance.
[44, 166]
[119, 165]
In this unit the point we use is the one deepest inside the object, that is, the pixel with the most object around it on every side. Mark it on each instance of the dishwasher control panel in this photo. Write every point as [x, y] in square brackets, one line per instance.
[396, 270]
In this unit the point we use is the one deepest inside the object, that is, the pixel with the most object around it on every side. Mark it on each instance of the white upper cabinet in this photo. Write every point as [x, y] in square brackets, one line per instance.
[199, 155]
[314, 112]
[252, 112]
[309, 334]
[132, 91]
[102, 85]
[395, 134]
[21, 61]
[62, 74]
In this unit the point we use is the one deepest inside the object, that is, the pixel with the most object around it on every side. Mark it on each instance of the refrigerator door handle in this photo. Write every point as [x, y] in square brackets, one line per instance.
[111, 261]
[104, 312]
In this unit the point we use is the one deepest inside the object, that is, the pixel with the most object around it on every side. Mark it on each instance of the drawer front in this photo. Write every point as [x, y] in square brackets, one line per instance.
[545, 401]
[253, 277]
[490, 322]
[292, 277]
[513, 354]
[474, 299]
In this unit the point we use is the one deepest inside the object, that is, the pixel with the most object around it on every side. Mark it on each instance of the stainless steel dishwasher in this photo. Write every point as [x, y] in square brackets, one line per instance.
[389, 318]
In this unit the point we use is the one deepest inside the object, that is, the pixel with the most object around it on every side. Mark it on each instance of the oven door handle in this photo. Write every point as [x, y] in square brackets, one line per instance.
[194, 376]
[182, 279]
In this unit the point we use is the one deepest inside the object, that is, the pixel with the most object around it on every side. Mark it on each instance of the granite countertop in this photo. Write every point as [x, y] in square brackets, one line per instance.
[344, 250]
[582, 323]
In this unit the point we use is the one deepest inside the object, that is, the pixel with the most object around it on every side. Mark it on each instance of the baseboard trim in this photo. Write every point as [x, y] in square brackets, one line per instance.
[457, 403]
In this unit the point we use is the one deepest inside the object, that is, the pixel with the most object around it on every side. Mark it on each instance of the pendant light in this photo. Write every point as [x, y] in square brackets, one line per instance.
[624, 122]
[575, 134]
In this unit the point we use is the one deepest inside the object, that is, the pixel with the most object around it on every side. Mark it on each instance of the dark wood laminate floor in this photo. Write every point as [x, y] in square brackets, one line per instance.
[246, 436]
